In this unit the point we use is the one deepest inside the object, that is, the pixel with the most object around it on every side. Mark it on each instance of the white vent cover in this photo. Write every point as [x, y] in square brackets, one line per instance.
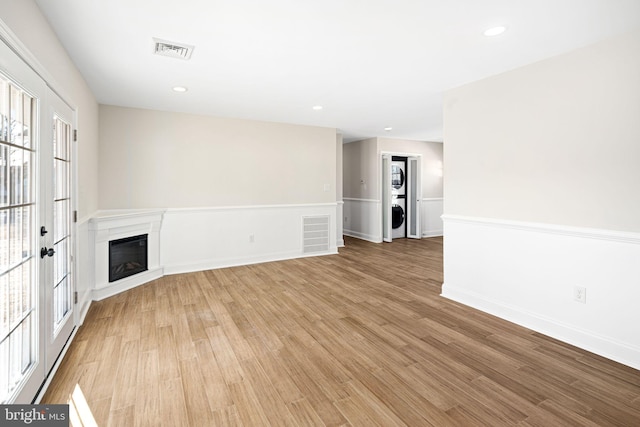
[172, 49]
[315, 234]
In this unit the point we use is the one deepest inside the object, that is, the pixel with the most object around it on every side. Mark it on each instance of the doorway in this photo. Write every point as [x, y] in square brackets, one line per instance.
[398, 197]
[401, 196]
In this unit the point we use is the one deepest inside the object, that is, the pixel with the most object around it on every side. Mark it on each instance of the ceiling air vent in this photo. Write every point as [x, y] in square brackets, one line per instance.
[172, 49]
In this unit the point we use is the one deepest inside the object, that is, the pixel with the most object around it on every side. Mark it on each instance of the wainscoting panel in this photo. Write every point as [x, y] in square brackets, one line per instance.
[206, 238]
[362, 219]
[340, 224]
[83, 260]
[527, 273]
[431, 217]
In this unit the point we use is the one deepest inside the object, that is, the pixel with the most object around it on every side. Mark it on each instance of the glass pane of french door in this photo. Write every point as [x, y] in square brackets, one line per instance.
[62, 302]
[18, 297]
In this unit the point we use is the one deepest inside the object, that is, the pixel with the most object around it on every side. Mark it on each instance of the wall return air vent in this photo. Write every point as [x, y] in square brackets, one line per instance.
[172, 49]
[315, 234]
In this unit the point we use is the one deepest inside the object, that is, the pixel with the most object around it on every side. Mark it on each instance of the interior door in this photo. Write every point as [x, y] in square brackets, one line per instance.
[57, 243]
[414, 198]
[386, 198]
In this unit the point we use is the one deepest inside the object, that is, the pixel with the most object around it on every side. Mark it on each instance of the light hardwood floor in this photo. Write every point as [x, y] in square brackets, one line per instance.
[361, 338]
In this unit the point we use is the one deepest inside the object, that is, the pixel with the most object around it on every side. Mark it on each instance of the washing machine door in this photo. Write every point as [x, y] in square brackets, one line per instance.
[397, 177]
[397, 216]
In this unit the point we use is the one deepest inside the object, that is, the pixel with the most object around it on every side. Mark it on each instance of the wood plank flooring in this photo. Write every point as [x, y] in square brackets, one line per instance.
[361, 338]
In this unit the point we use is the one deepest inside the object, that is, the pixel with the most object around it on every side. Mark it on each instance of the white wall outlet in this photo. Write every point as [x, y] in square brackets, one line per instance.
[252, 238]
[580, 294]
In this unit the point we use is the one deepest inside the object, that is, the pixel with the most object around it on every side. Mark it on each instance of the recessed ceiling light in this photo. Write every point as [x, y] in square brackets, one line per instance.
[317, 107]
[180, 89]
[388, 129]
[495, 31]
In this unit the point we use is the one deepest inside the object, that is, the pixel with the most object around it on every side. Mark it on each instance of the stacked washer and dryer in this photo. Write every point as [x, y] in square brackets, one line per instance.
[398, 197]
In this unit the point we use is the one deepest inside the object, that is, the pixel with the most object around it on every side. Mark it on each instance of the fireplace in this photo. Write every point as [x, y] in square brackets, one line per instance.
[113, 225]
[127, 257]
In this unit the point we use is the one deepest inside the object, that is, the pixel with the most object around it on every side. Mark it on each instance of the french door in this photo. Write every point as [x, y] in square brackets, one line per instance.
[414, 197]
[386, 197]
[55, 228]
[35, 231]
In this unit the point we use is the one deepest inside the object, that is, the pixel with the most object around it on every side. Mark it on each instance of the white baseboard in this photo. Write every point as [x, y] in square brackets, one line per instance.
[363, 236]
[433, 233]
[603, 346]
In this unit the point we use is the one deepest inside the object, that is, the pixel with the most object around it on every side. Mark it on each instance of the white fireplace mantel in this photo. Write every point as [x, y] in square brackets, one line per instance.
[118, 224]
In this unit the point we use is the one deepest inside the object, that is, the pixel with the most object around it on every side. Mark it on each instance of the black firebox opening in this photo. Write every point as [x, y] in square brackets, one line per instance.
[127, 257]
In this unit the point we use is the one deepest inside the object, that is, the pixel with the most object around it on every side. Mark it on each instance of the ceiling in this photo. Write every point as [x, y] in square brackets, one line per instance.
[370, 64]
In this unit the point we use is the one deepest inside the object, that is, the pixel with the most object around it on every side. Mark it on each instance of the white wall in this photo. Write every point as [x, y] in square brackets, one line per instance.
[45, 53]
[362, 179]
[541, 193]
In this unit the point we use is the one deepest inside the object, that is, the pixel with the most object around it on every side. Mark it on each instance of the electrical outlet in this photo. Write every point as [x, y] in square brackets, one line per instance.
[252, 238]
[580, 294]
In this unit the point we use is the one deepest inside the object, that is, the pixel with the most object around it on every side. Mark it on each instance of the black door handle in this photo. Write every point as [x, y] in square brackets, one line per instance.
[46, 252]
[43, 230]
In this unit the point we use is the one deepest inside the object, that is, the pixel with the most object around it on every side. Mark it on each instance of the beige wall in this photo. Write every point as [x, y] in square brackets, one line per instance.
[339, 167]
[360, 170]
[24, 19]
[557, 141]
[159, 159]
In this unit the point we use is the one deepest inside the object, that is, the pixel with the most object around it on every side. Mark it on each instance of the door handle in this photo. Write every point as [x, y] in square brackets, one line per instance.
[46, 252]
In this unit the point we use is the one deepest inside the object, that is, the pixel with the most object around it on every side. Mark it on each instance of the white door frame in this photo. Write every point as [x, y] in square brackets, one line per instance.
[385, 193]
